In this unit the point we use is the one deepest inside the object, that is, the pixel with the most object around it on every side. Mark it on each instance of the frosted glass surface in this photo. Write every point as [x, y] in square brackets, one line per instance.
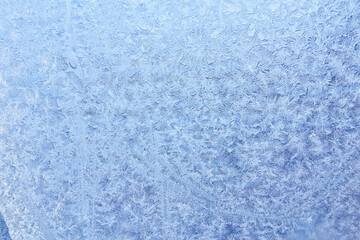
[159, 119]
[4, 231]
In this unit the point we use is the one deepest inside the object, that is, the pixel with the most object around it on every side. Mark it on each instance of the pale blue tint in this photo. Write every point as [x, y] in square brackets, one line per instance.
[156, 119]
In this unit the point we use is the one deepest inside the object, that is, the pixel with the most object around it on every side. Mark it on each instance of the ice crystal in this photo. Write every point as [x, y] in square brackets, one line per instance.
[180, 119]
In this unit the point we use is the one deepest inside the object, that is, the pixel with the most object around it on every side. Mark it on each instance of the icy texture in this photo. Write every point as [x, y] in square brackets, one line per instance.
[155, 119]
[4, 231]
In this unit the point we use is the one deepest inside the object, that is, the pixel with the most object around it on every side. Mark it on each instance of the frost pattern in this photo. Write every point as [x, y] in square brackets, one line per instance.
[4, 231]
[180, 119]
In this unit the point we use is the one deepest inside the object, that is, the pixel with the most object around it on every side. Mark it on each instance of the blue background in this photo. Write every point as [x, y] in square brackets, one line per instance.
[180, 119]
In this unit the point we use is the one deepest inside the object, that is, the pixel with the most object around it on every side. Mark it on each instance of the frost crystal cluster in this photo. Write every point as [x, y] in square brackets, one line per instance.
[163, 119]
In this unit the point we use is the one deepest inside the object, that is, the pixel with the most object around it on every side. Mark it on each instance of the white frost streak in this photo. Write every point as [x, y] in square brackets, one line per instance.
[82, 164]
[68, 17]
[221, 14]
[165, 208]
[68, 26]
[2, 81]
